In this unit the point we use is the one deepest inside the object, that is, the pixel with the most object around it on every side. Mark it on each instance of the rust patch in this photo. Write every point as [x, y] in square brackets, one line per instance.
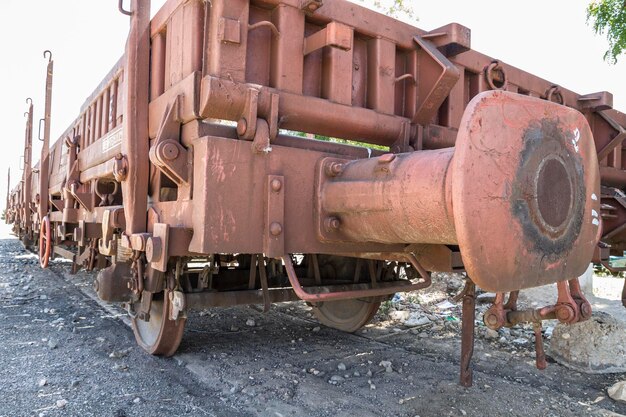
[549, 201]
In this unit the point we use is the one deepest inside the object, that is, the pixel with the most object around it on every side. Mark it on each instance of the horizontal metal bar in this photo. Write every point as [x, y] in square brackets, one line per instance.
[104, 170]
[64, 253]
[232, 298]
[302, 113]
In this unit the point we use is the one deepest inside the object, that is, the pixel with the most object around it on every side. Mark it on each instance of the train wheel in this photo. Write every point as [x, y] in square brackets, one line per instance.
[159, 335]
[45, 242]
[347, 315]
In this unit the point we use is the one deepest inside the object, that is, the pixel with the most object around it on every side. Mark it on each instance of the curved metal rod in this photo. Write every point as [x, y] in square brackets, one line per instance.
[265, 23]
[491, 68]
[388, 289]
[29, 100]
[49, 55]
[120, 7]
[26, 114]
[405, 77]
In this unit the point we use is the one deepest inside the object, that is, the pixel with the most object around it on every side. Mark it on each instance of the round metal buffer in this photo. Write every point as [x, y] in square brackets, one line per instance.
[525, 191]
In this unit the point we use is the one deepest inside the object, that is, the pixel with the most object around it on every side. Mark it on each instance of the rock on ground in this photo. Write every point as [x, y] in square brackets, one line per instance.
[618, 391]
[597, 345]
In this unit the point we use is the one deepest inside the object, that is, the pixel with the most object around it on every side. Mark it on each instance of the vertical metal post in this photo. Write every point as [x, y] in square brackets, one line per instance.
[44, 167]
[540, 355]
[135, 144]
[28, 170]
[467, 333]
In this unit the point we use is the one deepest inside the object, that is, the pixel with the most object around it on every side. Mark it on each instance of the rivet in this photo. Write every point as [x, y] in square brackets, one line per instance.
[332, 223]
[276, 229]
[276, 185]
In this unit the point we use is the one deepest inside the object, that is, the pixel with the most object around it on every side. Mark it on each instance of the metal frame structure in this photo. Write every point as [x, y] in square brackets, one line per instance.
[190, 178]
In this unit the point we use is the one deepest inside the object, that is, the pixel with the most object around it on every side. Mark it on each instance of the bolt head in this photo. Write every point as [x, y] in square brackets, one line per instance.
[153, 249]
[334, 169]
[170, 151]
[585, 310]
[276, 229]
[565, 313]
[276, 185]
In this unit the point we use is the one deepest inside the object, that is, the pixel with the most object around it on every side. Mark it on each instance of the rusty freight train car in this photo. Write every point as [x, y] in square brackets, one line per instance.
[187, 181]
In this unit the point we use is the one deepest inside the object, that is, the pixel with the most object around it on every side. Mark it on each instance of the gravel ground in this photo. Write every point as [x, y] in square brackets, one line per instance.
[64, 354]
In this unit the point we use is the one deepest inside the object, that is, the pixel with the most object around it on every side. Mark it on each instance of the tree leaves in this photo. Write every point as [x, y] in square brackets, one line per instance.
[609, 17]
[395, 8]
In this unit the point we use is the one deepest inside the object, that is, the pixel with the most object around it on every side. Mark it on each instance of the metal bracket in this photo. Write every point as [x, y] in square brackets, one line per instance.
[58, 204]
[167, 153]
[157, 247]
[272, 119]
[111, 220]
[107, 244]
[596, 101]
[274, 236]
[229, 31]
[261, 141]
[251, 127]
[177, 304]
[451, 39]
[84, 199]
[616, 141]
[246, 126]
[432, 90]
[327, 225]
[335, 35]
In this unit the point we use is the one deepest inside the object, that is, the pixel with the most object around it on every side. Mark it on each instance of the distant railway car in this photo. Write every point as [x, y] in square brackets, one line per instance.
[191, 178]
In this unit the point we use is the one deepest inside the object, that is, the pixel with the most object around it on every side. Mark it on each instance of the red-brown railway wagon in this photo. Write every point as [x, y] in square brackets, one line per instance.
[185, 180]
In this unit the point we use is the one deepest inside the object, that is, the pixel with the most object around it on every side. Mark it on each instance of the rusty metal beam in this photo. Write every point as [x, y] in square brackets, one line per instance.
[44, 167]
[135, 142]
[28, 170]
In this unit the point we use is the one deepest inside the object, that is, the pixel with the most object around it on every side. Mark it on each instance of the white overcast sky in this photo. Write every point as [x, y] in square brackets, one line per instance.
[548, 38]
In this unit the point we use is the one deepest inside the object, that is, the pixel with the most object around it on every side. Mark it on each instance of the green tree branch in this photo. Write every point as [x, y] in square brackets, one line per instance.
[609, 17]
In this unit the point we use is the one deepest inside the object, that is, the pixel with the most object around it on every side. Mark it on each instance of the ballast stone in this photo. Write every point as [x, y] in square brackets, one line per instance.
[595, 346]
[618, 391]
